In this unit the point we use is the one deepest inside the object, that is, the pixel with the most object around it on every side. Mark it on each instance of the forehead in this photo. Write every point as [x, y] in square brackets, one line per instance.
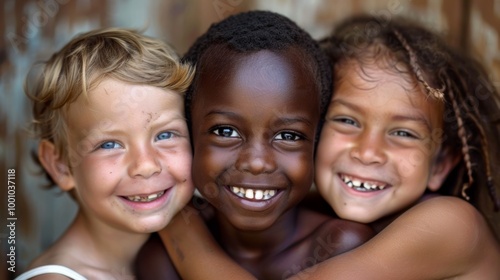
[381, 85]
[260, 88]
[383, 72]
[285, 71]
[117, 101]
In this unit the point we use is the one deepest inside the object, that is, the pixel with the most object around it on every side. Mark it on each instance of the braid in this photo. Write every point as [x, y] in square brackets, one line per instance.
[463, 138]
[436, 93]
[487, 163]
[471, 115]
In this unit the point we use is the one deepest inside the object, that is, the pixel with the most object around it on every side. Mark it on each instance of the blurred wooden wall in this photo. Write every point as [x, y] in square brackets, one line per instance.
[33, 29]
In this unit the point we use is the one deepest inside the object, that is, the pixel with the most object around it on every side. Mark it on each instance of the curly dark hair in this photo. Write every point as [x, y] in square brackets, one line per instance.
[471, 115]
[253, 31]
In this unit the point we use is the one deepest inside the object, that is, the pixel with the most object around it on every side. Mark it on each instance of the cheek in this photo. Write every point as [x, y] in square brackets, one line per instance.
[182, 162]
[299, 168]
[413, 163]
[97, 171]
[329, 148]
[208, 163]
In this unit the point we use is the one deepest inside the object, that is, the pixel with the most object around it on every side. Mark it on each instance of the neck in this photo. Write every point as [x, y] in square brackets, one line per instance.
[247, 245]
[105, 247]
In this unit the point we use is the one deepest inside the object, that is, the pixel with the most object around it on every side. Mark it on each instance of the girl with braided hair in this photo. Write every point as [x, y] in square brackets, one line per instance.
[406, 147]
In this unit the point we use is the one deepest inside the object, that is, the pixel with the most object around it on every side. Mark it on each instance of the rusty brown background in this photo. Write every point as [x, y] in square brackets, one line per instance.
[33, 29]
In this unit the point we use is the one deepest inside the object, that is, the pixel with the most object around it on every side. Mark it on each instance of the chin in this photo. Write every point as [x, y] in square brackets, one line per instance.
[252, 224]
[153, 225]
[356, 217]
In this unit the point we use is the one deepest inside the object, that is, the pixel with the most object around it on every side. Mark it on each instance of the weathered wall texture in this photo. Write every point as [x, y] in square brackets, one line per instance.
[33, 29]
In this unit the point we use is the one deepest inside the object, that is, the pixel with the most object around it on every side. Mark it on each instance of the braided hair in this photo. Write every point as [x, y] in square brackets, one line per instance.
[471, 115]
[253, 31]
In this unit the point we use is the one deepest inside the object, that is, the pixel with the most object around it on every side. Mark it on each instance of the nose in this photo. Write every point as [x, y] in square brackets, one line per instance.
[369, 148]
[143, 162]
[256, 158]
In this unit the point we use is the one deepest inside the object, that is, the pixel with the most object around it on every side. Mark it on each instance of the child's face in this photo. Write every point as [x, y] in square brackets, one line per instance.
[130, 155]
[378, 145]
[254, 122]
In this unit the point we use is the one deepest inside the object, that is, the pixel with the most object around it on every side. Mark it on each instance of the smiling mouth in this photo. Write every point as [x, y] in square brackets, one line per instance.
[363, 186]
[145, 198]
[255, 194]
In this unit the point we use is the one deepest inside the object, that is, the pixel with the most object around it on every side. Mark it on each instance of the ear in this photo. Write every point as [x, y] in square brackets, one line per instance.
[444, 162]
[55, 165]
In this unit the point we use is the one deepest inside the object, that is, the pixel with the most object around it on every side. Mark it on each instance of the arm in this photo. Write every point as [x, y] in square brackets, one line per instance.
[194, 251]
[439, 238]
[153, 262]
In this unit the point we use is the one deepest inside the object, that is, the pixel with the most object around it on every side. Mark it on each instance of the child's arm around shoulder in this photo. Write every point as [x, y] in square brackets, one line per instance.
[194, 251]
[442, 237]
[337, 236]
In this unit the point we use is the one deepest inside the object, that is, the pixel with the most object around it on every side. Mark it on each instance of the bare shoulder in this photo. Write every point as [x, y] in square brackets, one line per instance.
[445, 214]
[439, 238]
[446, 231]
[53, 257]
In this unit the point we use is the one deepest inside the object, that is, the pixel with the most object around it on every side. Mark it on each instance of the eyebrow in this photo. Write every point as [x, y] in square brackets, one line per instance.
[280, 121]
[158, 122]
[289, 121]
[419, 118]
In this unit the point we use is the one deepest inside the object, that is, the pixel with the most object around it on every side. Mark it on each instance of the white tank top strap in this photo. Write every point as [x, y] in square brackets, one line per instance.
[52, 269]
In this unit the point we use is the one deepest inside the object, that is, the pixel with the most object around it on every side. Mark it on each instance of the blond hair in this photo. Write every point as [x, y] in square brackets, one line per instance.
[121, 54]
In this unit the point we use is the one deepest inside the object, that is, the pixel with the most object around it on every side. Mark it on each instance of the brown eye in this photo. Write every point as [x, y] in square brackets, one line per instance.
[225, 132]
[288, 136]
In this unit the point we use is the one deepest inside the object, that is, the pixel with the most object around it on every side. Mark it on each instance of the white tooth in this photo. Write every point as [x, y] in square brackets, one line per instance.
[368, 186]
[382, 187]
[240, 194]
[259, 194]
[152, 196]
[137, 198]
[236, 189]
[349, 184]
[356, 183]
[266, 193]
[249, 193]
[272, 192]
[346, 179]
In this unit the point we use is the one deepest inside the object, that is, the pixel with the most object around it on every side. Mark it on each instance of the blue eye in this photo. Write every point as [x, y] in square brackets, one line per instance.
[288, 136]
[110, 145]
[226, 132]
[164, 136]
